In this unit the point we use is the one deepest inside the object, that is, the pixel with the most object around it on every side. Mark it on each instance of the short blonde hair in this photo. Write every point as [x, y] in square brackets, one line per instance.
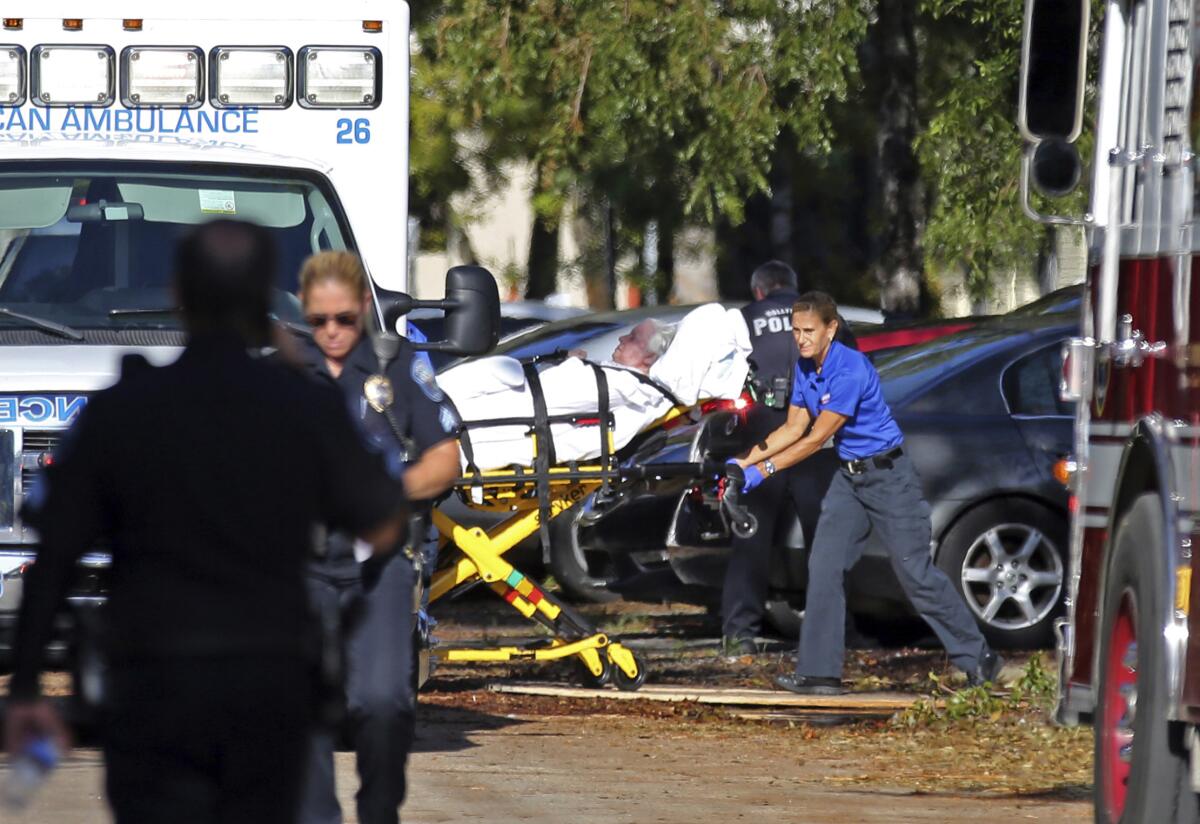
[339, 266]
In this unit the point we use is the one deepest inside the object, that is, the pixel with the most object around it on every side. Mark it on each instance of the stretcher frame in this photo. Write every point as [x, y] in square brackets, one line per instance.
[533, 497]
[527, 494]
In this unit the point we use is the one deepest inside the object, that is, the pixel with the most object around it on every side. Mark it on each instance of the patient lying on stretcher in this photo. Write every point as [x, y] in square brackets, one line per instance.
[650, 372]
[640, 347]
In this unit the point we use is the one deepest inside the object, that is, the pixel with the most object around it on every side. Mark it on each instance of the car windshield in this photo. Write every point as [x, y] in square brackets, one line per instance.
[905, 372]
[91, 246]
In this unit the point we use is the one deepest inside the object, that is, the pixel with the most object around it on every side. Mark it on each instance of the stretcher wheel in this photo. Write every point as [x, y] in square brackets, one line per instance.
[744, 528]
[589, 679]
[623, 681]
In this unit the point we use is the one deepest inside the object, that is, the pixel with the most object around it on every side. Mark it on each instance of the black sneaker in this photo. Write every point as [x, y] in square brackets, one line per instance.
[987, 671]
[737, 647]
[810, 685]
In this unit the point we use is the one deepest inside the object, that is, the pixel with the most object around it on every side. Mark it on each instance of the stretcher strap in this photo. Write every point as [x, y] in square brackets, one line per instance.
[544, 459]
[648, 381]
[605, 422]
[464, 443]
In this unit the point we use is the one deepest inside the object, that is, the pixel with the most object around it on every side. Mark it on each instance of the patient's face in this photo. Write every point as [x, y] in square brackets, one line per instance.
[632, 350]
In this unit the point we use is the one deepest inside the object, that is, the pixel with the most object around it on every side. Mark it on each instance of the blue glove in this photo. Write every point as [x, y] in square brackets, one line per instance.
[754, 477]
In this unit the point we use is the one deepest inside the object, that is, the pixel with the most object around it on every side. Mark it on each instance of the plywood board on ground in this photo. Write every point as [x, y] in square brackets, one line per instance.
[852, 703]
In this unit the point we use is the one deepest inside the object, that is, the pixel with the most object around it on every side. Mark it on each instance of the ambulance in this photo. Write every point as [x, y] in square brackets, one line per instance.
[122, 130]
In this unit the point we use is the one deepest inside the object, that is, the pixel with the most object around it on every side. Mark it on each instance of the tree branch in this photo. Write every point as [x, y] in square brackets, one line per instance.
[576, 115]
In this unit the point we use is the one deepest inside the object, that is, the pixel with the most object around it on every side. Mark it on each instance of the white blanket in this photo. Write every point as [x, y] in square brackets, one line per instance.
[707, 359]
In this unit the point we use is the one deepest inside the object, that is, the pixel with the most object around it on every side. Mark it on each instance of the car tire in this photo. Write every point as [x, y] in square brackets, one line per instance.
[1141, 761]
[1007, 559]
[581, 575]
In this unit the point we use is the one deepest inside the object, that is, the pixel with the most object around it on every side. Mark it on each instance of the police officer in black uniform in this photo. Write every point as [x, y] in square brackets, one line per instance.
[191, 473]
[404, 412]
[769, 318]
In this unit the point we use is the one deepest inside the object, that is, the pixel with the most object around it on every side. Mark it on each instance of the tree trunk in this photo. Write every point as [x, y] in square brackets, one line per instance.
[543, 259]
[610, 256]
[899, 266]
[665, 282]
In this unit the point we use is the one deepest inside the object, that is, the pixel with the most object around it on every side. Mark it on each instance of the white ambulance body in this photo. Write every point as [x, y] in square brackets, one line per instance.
[121, 130]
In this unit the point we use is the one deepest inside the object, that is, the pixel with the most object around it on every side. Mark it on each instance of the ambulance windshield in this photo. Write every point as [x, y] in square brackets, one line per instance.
[92, 246]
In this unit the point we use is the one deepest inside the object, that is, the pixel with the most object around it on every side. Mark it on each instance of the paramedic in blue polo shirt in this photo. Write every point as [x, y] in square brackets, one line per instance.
[836, 394]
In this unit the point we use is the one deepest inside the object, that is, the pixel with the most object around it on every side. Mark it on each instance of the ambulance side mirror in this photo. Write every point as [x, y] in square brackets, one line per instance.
[1053, 64]
[472, 307]
[472, 311]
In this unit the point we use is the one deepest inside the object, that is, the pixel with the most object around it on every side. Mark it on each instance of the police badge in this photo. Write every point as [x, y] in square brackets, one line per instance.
[378, 392]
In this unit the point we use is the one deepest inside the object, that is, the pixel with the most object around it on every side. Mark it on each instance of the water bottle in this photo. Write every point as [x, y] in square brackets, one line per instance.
[28, 771]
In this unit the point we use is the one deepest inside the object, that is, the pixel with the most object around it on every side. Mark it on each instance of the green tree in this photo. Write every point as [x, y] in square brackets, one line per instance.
[669, 110]
[971, 148]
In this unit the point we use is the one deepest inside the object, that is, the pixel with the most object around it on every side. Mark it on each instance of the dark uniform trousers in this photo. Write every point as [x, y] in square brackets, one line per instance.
[890, 501]
[380, 706]
[214, 739]
[744, 594]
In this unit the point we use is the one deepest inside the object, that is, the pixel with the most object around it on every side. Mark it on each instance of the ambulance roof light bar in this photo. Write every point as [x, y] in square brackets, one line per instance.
[259, 76]
[72, 75]
[339, 77]
[171, 77]
[12, 75]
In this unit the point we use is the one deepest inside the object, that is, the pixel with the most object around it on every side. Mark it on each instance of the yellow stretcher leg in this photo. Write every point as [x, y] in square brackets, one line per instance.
[482, 551]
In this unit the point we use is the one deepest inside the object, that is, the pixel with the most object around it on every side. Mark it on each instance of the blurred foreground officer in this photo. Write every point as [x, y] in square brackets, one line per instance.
[836, 394]
[405, 414]
[207, 476]
[769, 319]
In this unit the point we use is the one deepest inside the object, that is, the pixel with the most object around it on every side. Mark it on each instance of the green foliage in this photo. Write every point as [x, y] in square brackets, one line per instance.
[971, 149]
[1033, 692]
[657, 106]
[674, 110]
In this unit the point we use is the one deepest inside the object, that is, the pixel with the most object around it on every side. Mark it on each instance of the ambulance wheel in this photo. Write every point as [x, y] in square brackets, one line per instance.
[582, 575]
[1141, 762]
[589, 679]
[623, 681]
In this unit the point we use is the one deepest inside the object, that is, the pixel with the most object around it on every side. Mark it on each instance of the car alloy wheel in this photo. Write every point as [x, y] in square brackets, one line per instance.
[1012, 576]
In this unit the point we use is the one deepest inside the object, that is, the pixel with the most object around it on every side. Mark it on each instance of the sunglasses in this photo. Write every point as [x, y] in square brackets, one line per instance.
[345, 319]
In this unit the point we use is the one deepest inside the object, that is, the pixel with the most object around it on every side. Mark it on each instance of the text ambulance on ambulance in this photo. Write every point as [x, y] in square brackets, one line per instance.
[121, 131]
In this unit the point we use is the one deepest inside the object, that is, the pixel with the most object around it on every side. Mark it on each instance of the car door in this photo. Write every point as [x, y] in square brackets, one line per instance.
[1030, 388]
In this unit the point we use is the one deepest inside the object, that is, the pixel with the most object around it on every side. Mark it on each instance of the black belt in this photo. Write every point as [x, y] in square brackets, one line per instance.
[883, 460]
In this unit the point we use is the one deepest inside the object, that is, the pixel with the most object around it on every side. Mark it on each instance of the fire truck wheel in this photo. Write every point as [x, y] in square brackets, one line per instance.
[582, 575]
[1007, 558]
[1140, 760]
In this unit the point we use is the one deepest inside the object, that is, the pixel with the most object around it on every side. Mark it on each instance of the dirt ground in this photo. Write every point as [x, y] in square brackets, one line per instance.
[492, 757]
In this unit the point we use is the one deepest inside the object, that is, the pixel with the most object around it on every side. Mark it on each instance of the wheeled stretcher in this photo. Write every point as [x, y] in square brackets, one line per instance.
[530, 497]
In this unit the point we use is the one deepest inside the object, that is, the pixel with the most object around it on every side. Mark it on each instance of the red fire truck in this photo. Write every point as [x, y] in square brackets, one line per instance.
[1129, 649]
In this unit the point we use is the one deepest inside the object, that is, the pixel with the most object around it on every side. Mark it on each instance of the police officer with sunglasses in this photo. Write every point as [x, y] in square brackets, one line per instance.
[403, 410]
[836, 394]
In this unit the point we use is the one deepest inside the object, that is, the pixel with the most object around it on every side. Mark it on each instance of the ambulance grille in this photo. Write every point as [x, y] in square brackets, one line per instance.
[34, 443]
